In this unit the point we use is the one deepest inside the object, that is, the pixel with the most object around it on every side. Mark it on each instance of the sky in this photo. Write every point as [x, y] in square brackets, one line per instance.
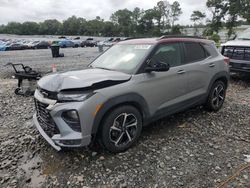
[39, 10]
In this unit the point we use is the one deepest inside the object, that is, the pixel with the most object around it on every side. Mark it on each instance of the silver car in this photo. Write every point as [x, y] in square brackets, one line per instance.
[130, 85]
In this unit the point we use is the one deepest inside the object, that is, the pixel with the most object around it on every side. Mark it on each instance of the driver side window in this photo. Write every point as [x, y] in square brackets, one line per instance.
[168, 54]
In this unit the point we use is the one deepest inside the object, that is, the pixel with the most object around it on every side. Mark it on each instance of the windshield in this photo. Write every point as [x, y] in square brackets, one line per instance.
[120, 57]
[245, 35]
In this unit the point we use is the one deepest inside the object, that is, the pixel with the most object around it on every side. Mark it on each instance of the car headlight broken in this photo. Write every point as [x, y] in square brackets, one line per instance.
[73, 97]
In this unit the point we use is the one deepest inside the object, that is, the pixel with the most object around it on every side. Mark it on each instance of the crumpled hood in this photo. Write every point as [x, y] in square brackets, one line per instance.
[237, 43]
[81, 79]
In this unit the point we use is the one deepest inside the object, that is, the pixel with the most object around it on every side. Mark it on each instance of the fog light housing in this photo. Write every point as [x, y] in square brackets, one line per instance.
[71, 117]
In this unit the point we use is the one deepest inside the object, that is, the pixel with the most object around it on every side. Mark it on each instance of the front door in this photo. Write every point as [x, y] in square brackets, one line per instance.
[164, 90]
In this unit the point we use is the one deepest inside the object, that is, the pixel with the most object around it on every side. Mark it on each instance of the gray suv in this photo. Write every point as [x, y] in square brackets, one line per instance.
[130, 85]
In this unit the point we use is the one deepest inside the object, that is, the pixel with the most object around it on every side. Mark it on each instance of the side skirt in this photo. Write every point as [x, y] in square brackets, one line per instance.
[182, 106]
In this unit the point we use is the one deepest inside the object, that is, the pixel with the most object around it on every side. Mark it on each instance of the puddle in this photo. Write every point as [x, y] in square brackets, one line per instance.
[51, 165]
[30, 169]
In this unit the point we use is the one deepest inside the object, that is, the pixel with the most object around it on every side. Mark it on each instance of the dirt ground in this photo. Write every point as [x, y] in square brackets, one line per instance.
[192, 149]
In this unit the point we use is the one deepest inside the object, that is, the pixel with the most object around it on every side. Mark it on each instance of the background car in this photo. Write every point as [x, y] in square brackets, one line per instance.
[77, 43]
[89, 42]
[15, 46]
[66, 44]
[238, 51]
[41, 45]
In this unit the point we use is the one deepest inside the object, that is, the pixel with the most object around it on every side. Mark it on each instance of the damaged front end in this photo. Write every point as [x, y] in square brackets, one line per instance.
[64, 115]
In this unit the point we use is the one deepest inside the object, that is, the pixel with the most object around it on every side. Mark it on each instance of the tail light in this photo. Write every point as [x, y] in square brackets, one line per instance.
[226, 60]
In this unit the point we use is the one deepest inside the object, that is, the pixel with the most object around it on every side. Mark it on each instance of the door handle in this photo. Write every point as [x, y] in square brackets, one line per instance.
[181, 72]
[211, 65]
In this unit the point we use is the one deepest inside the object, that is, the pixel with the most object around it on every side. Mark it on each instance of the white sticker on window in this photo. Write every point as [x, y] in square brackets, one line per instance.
[142, 47]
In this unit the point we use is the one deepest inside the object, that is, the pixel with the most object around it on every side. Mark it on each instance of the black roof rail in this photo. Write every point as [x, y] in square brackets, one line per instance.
[179, 36]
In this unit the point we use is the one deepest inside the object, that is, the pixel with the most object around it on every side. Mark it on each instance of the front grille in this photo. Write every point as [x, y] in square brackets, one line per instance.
[44, 119]
[48, 94]
[238, 53]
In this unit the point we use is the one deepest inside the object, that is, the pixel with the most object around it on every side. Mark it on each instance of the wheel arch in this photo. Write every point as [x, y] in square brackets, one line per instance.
[222, 76]
[132, 99]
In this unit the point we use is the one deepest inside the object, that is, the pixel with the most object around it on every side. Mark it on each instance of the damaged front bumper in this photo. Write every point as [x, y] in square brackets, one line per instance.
[49, 122]
[45, 136]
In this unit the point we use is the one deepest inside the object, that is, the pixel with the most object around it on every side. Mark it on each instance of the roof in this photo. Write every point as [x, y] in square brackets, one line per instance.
[165, 39]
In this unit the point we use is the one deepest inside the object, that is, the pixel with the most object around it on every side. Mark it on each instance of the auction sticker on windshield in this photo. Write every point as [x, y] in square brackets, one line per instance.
[142, 47]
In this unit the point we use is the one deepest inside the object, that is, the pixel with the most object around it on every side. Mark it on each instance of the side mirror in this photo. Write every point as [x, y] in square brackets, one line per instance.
[157, 67]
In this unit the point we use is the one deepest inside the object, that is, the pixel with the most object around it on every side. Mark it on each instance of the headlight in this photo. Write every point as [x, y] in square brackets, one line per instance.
[71, 97]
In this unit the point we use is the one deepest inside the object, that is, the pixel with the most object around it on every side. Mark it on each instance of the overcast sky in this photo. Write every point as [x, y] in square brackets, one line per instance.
[39, 10]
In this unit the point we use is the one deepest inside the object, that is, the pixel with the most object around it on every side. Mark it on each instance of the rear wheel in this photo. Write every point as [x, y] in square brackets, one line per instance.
[216, 96]
[121, 129]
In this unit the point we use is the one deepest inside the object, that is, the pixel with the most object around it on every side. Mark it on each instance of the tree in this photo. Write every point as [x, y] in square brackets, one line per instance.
[13, 28]
[72, 26]
[29, 28]
[164, 8]
[109, 29]
[50, 27]
[95, 27]
[245, 10]
[197, 17]
[234, 10]
[175, 12]
[136, 15]
[123, 18]
[218, 9]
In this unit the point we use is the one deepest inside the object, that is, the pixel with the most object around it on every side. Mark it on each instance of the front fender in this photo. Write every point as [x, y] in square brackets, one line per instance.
[130, 98]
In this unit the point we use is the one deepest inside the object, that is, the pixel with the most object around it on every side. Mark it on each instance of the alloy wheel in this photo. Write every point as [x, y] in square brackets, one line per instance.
[218, 96]
[124, 128]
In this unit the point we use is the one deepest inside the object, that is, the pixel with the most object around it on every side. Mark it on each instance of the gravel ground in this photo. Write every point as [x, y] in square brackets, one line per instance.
[41, 60]
[190, 149]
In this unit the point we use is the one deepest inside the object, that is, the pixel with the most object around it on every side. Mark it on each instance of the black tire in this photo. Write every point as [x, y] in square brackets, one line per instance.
[216, 96]
[18, 91]
[114, 136]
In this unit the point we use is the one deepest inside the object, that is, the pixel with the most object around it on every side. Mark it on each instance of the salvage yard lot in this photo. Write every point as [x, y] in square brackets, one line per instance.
[194, 148]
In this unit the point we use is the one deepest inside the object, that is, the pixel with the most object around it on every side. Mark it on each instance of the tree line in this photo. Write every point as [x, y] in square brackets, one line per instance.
[225, 13]
[161, 19]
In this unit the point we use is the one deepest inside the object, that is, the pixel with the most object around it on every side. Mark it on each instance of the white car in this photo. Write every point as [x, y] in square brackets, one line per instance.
[238, 51]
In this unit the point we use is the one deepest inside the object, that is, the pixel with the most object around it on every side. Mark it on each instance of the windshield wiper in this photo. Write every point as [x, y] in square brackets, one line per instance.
[102, 68]
[244, 38]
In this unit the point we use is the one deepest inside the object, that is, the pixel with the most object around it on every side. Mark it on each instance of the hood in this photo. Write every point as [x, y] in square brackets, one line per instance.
[83, 79]
[237, 43]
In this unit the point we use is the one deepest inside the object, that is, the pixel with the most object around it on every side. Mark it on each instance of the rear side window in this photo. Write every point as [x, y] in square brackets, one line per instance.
[194, 52]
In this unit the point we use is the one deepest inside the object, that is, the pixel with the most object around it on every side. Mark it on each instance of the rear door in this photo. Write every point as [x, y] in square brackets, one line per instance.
[198, 68]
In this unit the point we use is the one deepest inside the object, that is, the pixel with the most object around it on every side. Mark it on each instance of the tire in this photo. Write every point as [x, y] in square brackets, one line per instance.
[115, 137]
[216, 96]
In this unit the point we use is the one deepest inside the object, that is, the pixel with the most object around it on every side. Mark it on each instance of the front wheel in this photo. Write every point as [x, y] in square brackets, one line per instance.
[216, 96]
[121, 129]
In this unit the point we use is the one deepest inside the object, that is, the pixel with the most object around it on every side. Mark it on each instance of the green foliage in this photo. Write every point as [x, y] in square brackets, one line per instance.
[138, 22]
[50, 27]
[229, 10]
[175, 12]
[176, 30]
[245, 10]
[197, 16]
[28, 28]
[215, 37]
